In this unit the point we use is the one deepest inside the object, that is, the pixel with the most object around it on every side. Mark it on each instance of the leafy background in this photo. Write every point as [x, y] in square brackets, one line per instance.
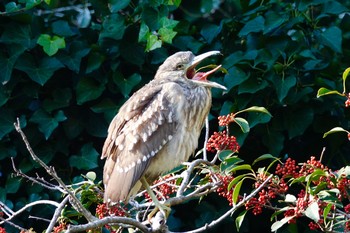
[67, 66]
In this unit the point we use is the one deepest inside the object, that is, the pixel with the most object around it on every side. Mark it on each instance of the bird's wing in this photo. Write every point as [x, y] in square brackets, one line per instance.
[144, 124]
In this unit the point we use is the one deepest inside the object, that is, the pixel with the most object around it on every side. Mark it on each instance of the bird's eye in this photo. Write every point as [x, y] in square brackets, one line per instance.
[180, 67]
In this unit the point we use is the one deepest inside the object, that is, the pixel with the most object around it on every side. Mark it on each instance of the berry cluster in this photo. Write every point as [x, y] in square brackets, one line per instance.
[347, 102]
[311, 165]
[222, 190]
[288, 169]
[163, 190]
[2, 230]
[60, 228]
[116, 210]
[221, 141]
[226, 120]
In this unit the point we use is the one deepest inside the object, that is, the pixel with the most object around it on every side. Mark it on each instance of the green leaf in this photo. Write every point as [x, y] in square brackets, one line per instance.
[297, 125]
[345, 75]
[113, 27]
[46, 123]
[255, 109]
[335, 130]
[225, 154]
[62, 28]
[254, 25]
[236, 191]
[94, 62]
[73, 57]
[7, 62]
[235, 181]
[165, 22]
[11, 7]
[51, 45]
[324, 91]
[153, 42]
[312, 212]
[143, 33]
[264, 157]
[39, 72]
[126, 85]
[167, 35]
[88, 89]
[17, 34]
[6, 122]
[117, 5]
[12, 184]
[243, 124]
[326, 211]
[230, 163]
[210, 32]
[283, 86]
[332, 38]
[86, 159]
[239, 219]
[241, 167]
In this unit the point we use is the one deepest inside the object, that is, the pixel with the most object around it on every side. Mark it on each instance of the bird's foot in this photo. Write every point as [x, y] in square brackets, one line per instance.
[163, 208]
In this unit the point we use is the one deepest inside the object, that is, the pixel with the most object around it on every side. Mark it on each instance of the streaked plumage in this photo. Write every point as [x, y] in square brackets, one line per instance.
[157, 128]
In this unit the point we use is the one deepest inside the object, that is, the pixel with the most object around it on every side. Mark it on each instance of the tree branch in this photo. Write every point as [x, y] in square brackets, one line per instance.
[51, 171]
[109, 220]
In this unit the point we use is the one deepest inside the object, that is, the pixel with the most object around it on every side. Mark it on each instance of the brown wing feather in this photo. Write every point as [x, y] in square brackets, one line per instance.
[144, 124]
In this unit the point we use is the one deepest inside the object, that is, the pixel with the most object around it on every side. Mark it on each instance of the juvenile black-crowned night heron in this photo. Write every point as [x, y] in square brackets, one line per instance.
[158, 127]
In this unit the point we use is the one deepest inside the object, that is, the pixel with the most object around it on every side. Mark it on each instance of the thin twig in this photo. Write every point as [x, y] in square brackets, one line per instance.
[206, 138]
[40, 202]
[40, 181]
[14, 225]
[51, 171]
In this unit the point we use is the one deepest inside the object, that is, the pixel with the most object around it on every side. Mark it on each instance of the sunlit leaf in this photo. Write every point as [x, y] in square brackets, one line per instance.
[278, 224]
[335, 130]
[51, 44]
[324, 91]
[345, 75]
[236, 191]
[312, 212]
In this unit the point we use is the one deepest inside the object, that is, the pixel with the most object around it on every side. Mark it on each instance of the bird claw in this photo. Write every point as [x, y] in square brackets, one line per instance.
[163, 209]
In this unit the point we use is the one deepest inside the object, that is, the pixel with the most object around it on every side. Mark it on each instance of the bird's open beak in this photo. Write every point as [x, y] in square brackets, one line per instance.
[202, 76]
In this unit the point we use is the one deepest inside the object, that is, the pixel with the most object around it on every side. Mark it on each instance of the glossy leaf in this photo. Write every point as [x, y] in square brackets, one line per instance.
[243, 124]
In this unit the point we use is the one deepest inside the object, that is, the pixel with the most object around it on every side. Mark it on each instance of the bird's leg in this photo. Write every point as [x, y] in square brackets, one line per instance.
[164, 209]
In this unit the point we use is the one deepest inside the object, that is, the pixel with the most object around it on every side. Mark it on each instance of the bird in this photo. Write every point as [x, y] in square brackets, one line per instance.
[158, 127]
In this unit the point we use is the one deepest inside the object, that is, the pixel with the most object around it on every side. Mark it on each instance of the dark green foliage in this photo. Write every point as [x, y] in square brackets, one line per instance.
[64, 73]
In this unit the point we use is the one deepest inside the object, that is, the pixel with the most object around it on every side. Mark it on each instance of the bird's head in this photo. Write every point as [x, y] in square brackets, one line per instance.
[183, 64]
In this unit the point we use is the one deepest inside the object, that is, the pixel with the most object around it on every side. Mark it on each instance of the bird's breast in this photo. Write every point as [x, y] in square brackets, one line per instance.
[192, 110]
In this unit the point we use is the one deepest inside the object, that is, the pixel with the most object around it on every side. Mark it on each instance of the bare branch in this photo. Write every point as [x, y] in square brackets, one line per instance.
[57, 214]
[109, 220]
[51, 171]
